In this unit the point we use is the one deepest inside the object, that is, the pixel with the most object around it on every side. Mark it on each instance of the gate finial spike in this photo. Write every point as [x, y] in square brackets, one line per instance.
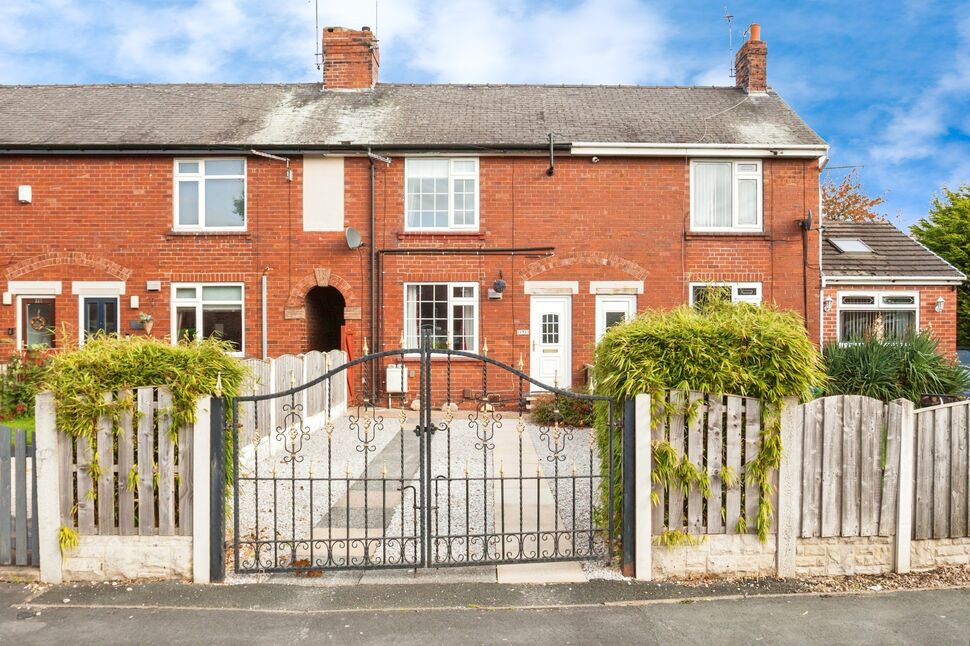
[365, 349]
[485, 347]
[521, 363]
[403, 341]
[219, 385]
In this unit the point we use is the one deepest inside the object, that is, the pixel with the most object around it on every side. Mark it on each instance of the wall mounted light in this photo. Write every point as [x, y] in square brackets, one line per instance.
[7, 298]
[25, 194]
[939, 304]
[827, 304]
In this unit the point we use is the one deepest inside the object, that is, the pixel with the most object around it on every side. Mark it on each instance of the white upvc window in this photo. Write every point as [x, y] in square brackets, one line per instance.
[736, 292]
[726, 195]
[448, 310]
[204, 310]
[441, 194]
[881, 315]
[210, 194]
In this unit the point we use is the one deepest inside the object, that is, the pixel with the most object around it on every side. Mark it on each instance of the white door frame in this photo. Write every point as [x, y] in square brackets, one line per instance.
[610, 303]
[565, 332]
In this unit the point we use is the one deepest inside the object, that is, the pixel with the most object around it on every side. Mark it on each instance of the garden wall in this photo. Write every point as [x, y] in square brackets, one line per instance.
[863, 488]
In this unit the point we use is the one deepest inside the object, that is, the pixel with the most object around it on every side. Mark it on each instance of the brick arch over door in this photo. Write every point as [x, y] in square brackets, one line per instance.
[594, 258]
[75, 258]
[321, 278]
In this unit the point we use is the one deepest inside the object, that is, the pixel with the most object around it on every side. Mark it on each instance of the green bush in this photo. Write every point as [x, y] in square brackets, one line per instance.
[737, 349]
[79, 378]
[569, 411]
[19, 385]
[890, 369]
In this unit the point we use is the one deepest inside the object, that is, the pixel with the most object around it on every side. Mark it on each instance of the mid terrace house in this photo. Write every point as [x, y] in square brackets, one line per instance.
[521, 220]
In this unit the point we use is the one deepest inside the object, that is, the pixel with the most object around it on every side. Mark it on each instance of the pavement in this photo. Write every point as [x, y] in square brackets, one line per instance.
[613, 612]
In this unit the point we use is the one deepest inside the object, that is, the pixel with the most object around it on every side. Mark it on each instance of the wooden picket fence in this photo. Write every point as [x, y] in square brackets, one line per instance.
[714, 431]
[18, 499]
[942, 474]
[283, 373]
[145, 482]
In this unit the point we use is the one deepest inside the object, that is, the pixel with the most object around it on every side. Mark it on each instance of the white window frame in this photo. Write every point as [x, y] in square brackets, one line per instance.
[879, 305]
[452, 301]
[735, 177]
[735, 297]
[201, 177]
[452, 175]
[198, 303]
[606, 303]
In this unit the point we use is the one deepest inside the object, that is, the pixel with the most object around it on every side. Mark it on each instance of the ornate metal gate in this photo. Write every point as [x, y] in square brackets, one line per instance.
[391, 478]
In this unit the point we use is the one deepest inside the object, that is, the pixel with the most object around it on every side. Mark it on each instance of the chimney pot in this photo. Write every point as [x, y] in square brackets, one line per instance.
[754, 31]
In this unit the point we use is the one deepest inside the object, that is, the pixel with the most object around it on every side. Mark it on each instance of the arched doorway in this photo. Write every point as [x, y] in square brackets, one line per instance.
[324, 318]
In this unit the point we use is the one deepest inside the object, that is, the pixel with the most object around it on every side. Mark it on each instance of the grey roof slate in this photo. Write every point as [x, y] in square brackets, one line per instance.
[894, 253]
[147, 115]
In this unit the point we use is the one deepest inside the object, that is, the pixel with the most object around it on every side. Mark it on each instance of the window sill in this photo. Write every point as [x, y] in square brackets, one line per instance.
[698, 235]
[198, 234]
[411, 235]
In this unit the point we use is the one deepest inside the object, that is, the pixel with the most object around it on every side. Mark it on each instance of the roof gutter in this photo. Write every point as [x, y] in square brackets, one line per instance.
[892, 280]
[603, 149]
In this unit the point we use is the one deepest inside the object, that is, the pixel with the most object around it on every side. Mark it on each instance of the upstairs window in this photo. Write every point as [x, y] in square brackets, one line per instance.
[210, 194]
[441, 194]
[726, 195]
[888, 315]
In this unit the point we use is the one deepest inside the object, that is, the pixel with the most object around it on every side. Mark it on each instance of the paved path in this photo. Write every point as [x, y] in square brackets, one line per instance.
[605, 612]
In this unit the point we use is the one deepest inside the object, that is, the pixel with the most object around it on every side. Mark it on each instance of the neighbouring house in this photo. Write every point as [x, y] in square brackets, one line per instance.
[524, 218]
[876, 280]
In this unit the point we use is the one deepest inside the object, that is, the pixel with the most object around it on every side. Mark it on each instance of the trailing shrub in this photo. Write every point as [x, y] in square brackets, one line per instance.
[20, 383]
[890, 369]
[740, 349]
[191, 369]
[569, 411]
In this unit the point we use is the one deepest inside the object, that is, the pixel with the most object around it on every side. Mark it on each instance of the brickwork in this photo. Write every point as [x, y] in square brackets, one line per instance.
[751, 63]
[351, 59]
[102, 218]
[943, 324]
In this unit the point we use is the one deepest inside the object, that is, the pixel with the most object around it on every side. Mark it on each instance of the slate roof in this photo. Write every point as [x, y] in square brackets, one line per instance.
[401, 115]
[894, 253]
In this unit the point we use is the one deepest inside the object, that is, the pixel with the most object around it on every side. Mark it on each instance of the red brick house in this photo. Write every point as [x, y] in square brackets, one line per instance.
[524, 218]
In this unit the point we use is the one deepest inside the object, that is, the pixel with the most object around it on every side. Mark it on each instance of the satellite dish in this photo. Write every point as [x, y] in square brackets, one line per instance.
[353, 238]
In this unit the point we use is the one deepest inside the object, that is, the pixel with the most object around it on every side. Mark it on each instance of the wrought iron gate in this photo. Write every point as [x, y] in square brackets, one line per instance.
[387, 478]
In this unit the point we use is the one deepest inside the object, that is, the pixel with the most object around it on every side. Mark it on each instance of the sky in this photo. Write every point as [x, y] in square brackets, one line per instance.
[887, 84]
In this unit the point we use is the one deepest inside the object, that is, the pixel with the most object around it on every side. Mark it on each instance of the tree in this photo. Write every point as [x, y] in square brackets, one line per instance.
[946, 231]
[848, 202]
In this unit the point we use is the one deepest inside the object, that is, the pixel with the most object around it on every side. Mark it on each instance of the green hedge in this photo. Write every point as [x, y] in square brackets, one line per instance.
[736, 349]
[889, 369]
[569, 411]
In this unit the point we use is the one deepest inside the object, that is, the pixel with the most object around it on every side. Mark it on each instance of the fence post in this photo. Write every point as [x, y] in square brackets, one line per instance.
[904, 512]
[788, 483]
[217, 489]
[201, 479]
[49, 495]
[629, 488]
[644, 503]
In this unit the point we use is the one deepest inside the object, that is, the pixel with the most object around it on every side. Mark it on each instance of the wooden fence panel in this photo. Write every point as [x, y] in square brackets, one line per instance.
[184, 480]
[959, 442]
[126, 461]
[752, 442]
[941, 472]
[715, 439]
[675, 506]
[338, 383]
[20, 491]
[733, 456]
[288, 370]
[106, 477]
[923, 512]
[146, 461]
[695, 453]
[890, 482]
[811, 467]
[831, 467]
[85, 489]
[65, 464]
[851, 439]
[870, 483]
[658, 433]
[6, 490]
[256, 417]
[316, 396]
[166, 464]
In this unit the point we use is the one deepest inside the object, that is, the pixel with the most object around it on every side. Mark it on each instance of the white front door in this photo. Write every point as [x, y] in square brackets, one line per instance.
[551, 340]
[612, 309]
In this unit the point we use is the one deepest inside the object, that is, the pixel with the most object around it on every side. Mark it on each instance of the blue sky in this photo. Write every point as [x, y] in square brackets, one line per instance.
[886, 83]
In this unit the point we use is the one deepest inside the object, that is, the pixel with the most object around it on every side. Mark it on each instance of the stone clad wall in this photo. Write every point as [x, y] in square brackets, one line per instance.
[843, 555]
[107, 558]
[718, 555]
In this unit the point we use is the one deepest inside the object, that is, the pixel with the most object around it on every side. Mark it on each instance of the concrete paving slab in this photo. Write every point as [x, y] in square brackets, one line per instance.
[567, 572]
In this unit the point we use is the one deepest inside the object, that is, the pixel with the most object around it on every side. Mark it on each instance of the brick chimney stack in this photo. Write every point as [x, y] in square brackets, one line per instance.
[751, 62]
[350, 58]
